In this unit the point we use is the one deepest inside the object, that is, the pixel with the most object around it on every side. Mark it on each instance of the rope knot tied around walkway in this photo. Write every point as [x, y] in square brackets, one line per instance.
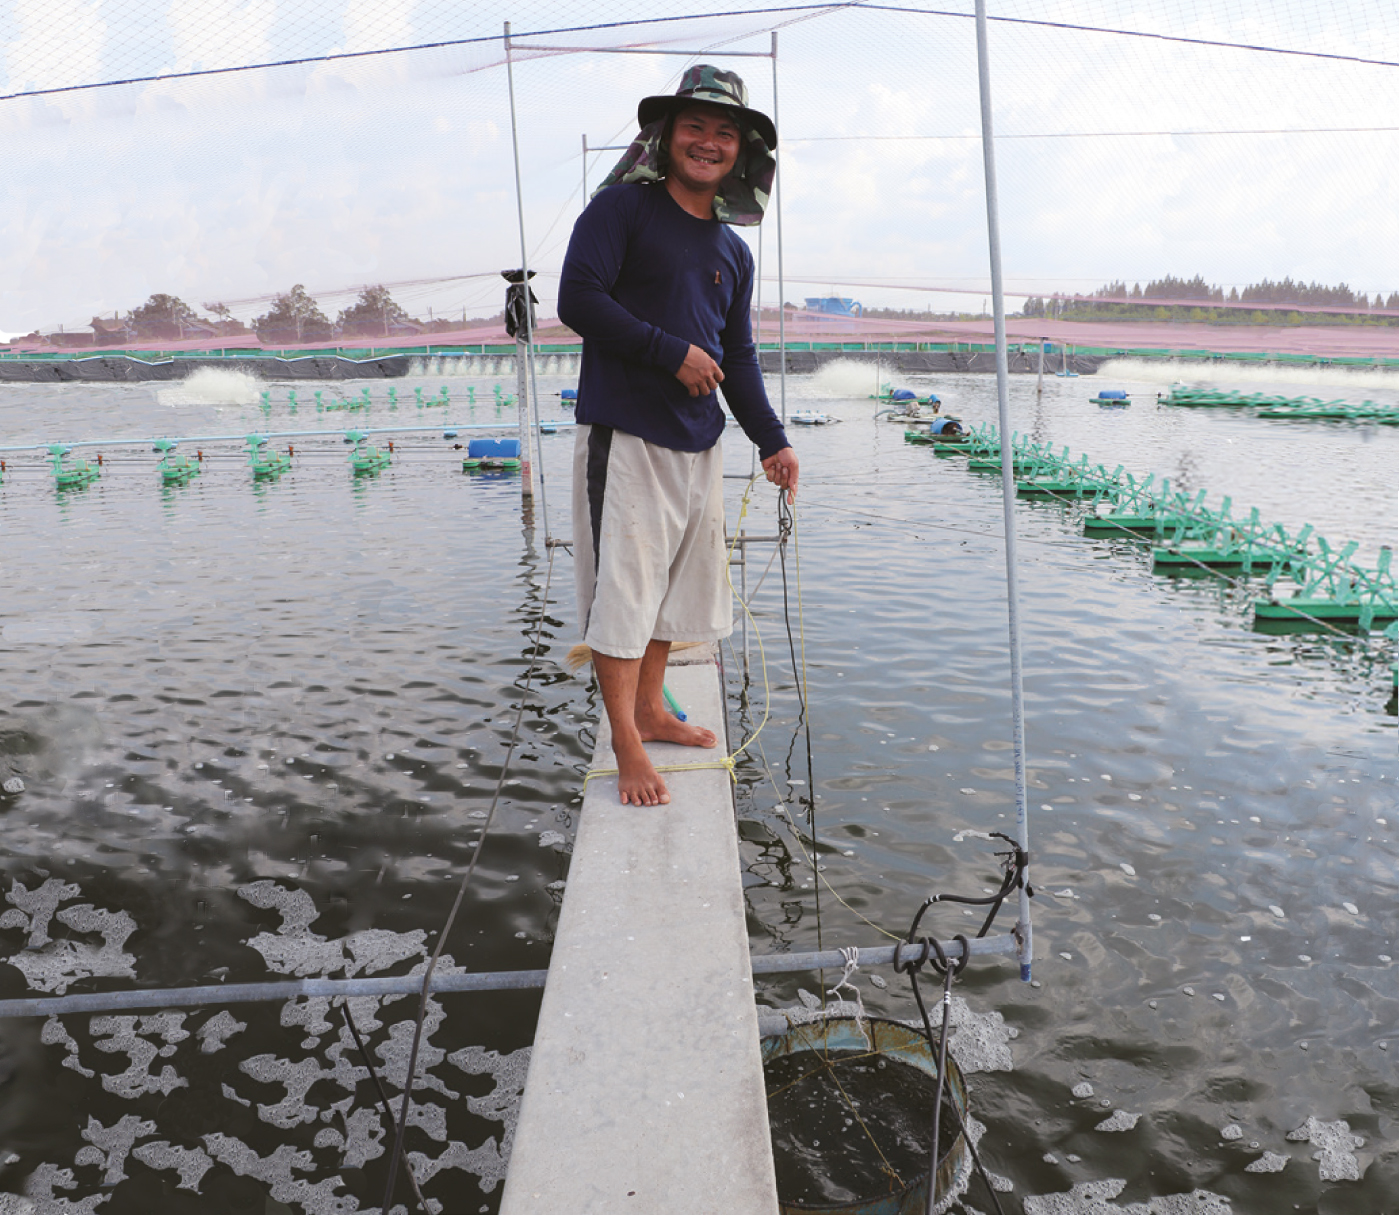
[727, 762]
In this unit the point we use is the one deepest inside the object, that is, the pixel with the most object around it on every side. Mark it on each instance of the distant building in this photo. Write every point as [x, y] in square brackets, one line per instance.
[113, 332]
[75, 338]
[834, 305]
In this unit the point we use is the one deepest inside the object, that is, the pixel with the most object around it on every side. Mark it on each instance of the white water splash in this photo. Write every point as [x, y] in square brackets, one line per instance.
[849, 378]
[1335, 381]
[213, 386]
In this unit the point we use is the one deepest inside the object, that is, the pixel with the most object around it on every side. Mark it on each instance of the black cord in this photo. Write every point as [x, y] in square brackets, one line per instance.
[383, 1096]
[931, 953]
[786, 526]
[461, 890]
[949, 970]
[1016, 863]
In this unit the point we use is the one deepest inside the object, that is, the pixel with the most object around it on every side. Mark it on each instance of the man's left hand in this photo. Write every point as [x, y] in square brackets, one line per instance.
[781, 470]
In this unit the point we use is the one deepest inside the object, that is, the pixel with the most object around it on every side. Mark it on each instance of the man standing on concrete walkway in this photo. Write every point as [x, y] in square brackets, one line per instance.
[660, 291]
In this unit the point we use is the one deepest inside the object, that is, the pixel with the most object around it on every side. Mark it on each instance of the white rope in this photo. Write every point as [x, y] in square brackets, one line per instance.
[851, 954]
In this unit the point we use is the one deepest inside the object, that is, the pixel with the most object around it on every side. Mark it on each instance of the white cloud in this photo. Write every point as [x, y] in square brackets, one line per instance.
[399, 167]
[378, 23]
[221, 33]
[59, 43]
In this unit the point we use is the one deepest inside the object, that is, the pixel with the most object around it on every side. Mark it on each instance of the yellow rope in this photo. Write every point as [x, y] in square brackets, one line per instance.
[757, 633]
[724, 761]
[816, 873]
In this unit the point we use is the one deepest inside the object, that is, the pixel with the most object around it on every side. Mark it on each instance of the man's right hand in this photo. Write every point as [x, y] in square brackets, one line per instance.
[699, 373]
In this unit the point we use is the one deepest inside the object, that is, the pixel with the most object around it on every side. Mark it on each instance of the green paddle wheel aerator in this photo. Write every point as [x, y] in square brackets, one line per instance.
[173, 469]
[267, 464]
[366, 459]
[77, 474]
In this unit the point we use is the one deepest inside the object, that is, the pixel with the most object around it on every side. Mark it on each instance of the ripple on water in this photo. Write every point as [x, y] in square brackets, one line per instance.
[259, 719]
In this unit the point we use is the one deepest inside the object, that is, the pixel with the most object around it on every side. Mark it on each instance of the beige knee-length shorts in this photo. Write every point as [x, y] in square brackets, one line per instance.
[649, 554]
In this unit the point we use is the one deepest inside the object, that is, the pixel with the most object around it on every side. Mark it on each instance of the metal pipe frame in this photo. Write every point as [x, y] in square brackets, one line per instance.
[528, 389]
[781, 276]
[279, 434]
[998, 304]
[407, 985]
[636, 50]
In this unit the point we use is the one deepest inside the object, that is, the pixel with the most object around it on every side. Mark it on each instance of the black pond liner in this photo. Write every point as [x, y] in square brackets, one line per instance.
[900, 1062]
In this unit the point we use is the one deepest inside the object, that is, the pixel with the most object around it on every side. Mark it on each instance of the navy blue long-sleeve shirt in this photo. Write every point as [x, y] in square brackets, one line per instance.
[644, 280]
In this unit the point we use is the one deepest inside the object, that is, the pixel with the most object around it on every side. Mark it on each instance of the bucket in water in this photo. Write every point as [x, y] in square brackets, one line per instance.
[850, 1103]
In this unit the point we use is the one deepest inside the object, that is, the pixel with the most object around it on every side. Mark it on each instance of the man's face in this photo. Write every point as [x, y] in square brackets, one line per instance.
[704, 143]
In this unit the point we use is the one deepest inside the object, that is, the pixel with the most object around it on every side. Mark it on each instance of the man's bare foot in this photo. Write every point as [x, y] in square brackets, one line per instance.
[638, 782]
[666, 727]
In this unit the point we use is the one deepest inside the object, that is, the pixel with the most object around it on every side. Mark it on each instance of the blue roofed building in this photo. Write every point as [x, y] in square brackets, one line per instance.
[834, 305]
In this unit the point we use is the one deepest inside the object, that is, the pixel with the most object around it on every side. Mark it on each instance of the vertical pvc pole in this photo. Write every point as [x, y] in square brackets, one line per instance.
[743, 593]
[1039, 382]
[758, 344]
[522, 417]
[530, 478]
[781, 280]
[585, 170]
[758, 298]
[1017, 693]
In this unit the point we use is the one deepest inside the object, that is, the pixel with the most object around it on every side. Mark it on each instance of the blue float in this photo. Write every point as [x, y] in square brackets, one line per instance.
[488, 454]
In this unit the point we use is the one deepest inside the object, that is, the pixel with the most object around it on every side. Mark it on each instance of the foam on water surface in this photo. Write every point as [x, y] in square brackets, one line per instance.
[347, 1132]
[50, 965]
[1335, 1148]
[1095, 1198]
[206, 635]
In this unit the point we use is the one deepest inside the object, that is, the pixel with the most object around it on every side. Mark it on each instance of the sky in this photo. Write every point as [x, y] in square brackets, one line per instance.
[1117, 157]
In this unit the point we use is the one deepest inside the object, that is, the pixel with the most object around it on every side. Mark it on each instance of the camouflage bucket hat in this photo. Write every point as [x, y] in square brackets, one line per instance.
[713, 86]
[744, 194]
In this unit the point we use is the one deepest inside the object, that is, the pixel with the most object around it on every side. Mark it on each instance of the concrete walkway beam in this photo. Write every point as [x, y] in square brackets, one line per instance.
[645, 1089]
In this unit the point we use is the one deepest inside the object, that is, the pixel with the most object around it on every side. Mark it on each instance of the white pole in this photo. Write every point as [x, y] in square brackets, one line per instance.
[781, 281]
[530, 474]
[1017, 692]
[758, 345]
[585, 170]
[1039, 382]
[758, 299]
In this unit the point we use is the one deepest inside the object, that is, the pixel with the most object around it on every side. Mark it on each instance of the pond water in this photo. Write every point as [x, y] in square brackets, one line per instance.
[258, 727]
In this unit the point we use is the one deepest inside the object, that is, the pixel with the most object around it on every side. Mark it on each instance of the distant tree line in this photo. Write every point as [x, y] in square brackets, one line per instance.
[292, 316]
[914, 314]
[1202, 301]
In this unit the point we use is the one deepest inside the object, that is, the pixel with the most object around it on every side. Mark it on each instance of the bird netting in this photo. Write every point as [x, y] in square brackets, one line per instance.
[336, 145]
